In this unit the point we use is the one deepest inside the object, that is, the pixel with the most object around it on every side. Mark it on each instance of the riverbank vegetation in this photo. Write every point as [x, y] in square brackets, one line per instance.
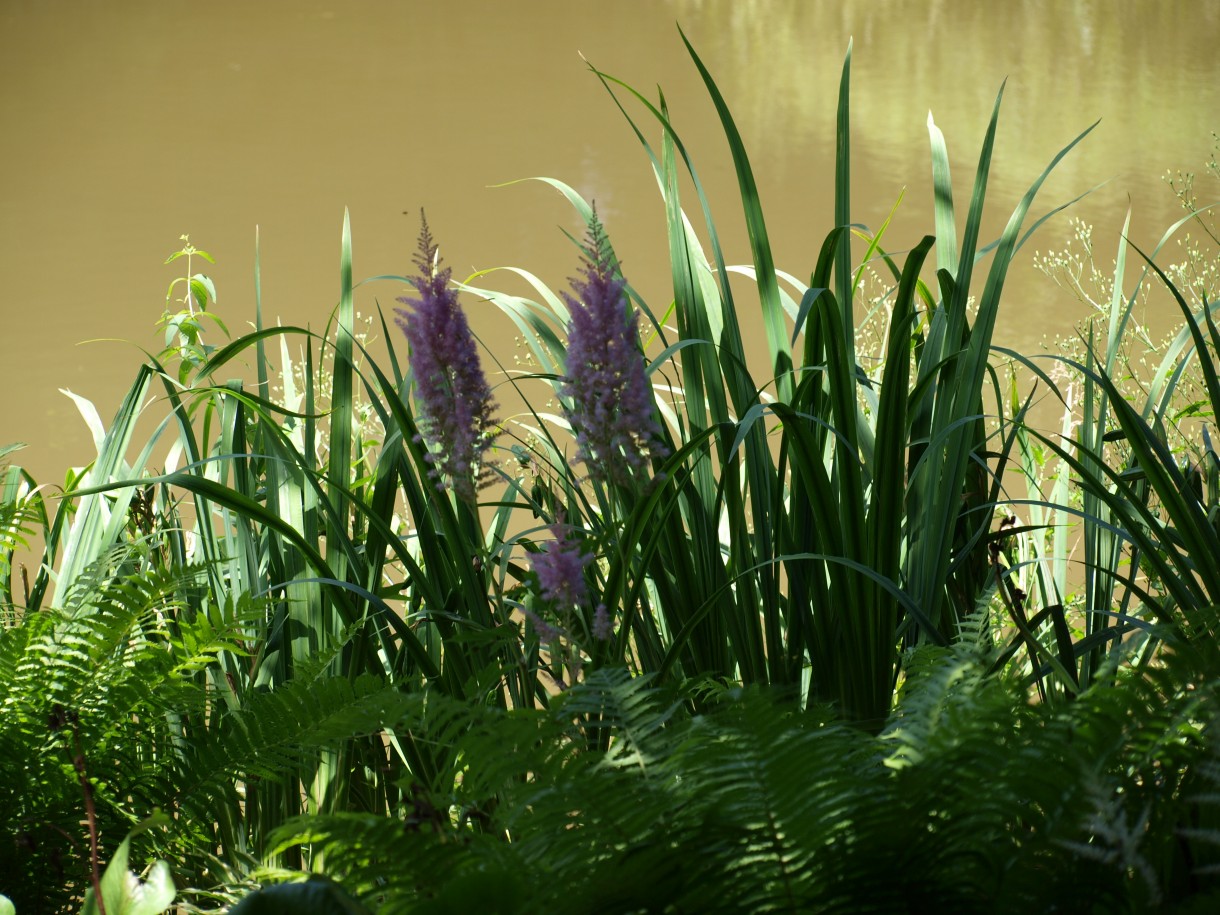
[646, 622]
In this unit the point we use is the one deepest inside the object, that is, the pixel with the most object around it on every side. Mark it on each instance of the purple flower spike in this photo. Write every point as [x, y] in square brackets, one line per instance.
[603, 628]
[560, 567]
[546, 632]
[612, 407]
[452, 393]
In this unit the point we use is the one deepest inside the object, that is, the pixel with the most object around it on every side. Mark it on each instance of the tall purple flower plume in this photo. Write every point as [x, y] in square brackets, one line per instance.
[451, 391]
[612, 407]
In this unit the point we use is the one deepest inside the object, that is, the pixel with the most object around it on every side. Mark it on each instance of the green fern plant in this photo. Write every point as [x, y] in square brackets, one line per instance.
[971, 799]
[97, 692]
[119, 689]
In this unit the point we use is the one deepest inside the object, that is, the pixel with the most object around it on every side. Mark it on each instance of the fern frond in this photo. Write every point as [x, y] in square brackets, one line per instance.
[119, 669]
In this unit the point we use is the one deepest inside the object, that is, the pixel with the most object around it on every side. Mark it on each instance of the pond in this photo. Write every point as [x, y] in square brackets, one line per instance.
[128, 125]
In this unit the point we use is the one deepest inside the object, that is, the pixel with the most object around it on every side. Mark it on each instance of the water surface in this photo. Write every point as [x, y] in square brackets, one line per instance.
[127, 125]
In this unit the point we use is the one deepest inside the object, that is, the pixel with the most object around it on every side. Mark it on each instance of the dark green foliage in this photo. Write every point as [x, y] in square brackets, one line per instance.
[971, 800]
[96, 682]
[122, 688]
[315, 896]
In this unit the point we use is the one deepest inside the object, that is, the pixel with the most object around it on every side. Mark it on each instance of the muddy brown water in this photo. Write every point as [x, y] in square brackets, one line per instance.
[125, 125]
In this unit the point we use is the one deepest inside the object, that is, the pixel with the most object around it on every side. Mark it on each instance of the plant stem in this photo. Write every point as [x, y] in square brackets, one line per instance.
[61, 718]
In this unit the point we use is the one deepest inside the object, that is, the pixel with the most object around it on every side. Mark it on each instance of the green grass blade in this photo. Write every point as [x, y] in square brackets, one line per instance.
[341, 403]
[942, 189]
[843, 282]
[760, 245]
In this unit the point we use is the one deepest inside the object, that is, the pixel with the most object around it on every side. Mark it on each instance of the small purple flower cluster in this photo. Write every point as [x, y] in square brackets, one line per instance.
[451, 390]
[560, 567]
[611, 401]
[603, 627]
